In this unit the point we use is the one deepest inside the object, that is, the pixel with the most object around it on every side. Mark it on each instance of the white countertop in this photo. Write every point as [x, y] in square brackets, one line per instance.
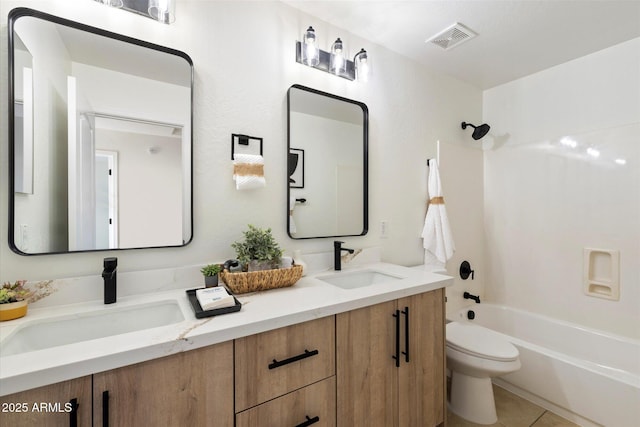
[310, 298]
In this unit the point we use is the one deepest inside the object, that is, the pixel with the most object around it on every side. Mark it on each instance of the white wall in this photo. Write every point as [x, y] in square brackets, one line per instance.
[461, 170]
[44, 212]
[149, 184]
[243, 54]
[324, 141]
[545, 201]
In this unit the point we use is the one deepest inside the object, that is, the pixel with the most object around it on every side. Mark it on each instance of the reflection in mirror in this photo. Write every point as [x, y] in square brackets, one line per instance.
[327, 165]
[23, 118]
[100, 145]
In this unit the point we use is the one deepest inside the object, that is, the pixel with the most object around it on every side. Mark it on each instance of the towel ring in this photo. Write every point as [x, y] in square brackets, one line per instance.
[245, 140]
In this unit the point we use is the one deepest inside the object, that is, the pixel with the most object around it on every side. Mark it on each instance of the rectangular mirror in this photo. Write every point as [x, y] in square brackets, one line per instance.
[100, 146]
[328, 169]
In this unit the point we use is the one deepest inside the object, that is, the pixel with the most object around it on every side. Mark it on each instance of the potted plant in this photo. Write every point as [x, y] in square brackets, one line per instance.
[259, 250]
[13, 300]
[210, 273]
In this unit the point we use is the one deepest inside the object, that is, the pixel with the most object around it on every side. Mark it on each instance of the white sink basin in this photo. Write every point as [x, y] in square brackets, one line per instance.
[47, 333]
[358, 279]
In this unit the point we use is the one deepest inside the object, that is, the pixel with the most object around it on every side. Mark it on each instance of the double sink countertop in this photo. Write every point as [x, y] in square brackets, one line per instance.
[310, 298]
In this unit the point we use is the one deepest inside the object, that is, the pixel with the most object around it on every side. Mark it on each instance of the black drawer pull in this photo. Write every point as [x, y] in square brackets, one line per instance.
[73, 414]
[397, 356]
[304, 355]
[309, 421]
[406, 334]
[105, 408]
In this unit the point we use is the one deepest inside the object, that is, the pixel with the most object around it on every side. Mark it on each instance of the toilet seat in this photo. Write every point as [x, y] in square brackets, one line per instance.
[481, 342]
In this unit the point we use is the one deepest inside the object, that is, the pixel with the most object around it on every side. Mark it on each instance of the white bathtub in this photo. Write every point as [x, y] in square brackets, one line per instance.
[585, 375]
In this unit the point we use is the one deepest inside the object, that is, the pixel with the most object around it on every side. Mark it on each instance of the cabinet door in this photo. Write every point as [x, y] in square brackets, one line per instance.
[314, 405]
[49, 406]
[421, 381]
[365, 370]
[193, 388]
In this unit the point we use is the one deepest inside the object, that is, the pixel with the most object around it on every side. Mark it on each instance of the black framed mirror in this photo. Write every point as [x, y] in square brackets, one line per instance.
[100, 139]
[327, 152]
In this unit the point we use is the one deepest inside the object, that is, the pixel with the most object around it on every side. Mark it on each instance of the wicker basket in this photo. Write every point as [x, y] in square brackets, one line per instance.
[241, 283]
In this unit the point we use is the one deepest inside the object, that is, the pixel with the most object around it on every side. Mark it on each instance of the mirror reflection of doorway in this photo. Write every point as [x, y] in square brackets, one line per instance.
[106, 170]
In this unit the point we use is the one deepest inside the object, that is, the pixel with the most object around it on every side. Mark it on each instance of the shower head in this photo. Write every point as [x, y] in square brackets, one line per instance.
[478, 131]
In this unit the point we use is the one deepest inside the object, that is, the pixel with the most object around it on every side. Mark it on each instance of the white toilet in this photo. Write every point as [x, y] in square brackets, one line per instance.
[475, 355]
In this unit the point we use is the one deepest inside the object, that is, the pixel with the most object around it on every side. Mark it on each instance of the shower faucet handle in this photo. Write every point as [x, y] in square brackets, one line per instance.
[466, 271]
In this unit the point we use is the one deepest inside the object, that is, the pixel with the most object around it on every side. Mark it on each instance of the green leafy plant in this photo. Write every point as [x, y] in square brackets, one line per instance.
[211, 270]
[258, 245]
[14, 293]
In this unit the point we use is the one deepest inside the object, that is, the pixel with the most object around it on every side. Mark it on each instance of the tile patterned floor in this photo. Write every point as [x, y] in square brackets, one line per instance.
[514, 411]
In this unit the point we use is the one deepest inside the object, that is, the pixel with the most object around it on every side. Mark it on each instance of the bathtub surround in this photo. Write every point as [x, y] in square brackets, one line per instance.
[548, 198]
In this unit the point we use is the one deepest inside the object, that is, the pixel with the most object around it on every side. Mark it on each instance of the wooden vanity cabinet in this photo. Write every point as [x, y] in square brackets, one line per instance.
[377, 383]
[314, 405]
[192, 388]
[285, 375]
[67, 403]
[351, 370]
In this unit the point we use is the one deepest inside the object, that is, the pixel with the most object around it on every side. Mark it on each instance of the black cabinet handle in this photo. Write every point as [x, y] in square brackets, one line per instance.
[73, 414]
[105, 408]
[309, 421]
[397, 356]
[406, 334]
[304, 355]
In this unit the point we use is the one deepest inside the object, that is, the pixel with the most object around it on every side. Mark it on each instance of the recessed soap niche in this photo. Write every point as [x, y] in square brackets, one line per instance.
[602, 273]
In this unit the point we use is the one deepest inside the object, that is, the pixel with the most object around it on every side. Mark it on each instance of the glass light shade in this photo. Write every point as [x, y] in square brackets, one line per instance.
[163, 10]
[363, 67]
[112, 3]
[310, 51]
[338, 64]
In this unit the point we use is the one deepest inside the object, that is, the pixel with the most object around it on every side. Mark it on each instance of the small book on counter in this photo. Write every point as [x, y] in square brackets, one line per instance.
[216, 297]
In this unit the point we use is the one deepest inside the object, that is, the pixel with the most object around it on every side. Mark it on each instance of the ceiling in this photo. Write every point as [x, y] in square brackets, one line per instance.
[515, 38]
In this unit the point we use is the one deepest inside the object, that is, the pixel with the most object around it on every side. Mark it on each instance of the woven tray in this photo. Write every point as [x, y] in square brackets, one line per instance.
[241, 283]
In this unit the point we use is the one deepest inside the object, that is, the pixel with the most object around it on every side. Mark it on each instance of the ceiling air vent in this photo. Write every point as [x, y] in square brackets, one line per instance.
[452, 36]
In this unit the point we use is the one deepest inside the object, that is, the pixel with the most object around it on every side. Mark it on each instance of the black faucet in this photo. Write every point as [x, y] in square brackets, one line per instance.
[109, 276]
[476, 298]
[337, 254]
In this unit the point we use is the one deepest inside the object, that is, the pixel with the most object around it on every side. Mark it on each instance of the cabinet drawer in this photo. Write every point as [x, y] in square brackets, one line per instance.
[316, 401]
[274, 363]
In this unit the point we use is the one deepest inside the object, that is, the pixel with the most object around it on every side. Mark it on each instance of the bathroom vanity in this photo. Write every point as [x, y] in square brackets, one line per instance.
[312, 353]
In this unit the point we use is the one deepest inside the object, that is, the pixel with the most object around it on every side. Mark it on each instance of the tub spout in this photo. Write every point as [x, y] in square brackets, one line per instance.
[476, 298]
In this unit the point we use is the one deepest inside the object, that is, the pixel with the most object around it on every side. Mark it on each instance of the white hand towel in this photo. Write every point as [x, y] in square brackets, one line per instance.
[292, 223]
[438, 240]
[248, 171]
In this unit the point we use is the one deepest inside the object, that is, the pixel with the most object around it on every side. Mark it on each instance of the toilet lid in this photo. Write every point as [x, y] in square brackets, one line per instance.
[478, 341]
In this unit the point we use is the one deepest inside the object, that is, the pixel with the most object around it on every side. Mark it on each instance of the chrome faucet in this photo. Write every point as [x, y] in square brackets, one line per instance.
[337, 254]
[109, 276]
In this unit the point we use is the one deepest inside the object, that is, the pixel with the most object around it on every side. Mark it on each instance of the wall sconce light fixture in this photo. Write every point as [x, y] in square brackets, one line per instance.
[112, 3]
[310, 50]
[361, 61]
[334, 62]
[160, 10]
